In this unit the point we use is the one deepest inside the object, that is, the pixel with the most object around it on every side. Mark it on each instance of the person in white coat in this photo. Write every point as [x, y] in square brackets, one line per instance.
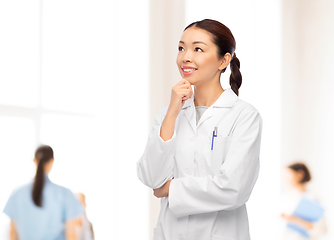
[202, 155]
[297, 177]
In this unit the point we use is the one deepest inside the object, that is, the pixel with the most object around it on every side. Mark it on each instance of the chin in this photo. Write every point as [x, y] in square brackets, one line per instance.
[190, 79]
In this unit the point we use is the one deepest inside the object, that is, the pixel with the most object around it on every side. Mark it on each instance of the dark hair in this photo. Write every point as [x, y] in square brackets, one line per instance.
[223, 38]
[43, 155]
[297, 167]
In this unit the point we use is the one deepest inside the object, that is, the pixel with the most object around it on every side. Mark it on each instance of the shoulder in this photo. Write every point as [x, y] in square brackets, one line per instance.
[59, 193]
[246, 112]
[21, 190]
[17, 200]
[60, 189]
[245, 107]
[312, 195]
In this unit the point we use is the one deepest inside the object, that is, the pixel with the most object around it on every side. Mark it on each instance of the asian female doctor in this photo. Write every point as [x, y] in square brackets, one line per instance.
[42, 210]
[202, 155]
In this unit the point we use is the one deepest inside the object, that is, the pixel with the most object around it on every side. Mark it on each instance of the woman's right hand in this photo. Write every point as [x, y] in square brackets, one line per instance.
[181, 92]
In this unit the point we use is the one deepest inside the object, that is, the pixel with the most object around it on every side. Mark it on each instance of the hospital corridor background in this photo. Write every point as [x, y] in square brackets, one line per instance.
[88, 77]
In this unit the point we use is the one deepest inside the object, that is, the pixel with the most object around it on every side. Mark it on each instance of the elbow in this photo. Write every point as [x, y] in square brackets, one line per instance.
[148, 180]
[154, 175]
[142, 175]
[237, 199]
[158, 183]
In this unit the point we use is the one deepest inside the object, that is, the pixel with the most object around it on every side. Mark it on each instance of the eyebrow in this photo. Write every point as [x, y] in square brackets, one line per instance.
[197, 42]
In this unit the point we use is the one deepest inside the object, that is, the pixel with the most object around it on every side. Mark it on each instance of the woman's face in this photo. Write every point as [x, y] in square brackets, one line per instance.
[293, 177]
[198, 60]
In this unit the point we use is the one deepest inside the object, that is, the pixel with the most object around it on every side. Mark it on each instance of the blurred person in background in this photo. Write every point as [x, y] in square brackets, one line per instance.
[42, 210]
[84, 229]
[298, 196]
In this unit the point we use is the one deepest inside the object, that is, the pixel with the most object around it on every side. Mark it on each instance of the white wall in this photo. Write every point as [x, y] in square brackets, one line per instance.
[307, 96]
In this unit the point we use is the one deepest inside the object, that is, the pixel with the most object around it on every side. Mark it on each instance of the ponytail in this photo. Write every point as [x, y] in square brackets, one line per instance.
[43, 155]
[235, 77]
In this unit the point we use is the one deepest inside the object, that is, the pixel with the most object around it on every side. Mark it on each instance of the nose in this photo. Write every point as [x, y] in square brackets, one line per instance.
[187, 57]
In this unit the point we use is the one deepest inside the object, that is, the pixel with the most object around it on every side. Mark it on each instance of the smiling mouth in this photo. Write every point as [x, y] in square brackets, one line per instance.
[188, 69]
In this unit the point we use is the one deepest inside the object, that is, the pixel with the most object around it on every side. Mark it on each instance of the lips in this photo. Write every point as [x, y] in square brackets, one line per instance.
[187, 70]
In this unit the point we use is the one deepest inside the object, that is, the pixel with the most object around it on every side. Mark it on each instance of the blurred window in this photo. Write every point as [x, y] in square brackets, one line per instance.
[69, 74]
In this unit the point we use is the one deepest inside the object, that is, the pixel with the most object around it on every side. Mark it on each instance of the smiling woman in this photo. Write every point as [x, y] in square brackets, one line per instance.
[205, 50]
[202, 156]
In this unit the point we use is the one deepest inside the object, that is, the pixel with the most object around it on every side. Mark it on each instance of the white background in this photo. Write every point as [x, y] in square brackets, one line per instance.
[76, 75]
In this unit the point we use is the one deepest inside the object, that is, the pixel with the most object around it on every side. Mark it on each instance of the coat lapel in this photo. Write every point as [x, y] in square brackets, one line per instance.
[189, 112]
[226, 100]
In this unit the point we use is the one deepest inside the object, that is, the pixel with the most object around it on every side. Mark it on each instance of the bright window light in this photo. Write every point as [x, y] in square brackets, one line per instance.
[76, 78]
[20, 52]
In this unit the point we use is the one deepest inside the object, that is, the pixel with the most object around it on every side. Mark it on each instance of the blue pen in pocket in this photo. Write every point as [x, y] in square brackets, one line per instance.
[214, 134]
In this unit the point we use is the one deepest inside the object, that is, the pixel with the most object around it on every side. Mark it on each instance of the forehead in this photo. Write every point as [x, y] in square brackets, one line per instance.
[194, 34]
[291, 171]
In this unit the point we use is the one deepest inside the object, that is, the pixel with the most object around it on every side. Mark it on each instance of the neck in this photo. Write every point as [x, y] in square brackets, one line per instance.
[301, 188]
[206, 95]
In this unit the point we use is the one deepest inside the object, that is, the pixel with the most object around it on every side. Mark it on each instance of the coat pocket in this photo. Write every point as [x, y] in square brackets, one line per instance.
[218, 153]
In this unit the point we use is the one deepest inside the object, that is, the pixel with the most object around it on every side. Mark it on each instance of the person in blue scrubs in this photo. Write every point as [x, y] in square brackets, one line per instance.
[42, 210]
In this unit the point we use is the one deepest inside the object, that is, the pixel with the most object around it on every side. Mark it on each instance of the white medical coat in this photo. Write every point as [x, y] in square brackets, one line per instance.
[210, 187]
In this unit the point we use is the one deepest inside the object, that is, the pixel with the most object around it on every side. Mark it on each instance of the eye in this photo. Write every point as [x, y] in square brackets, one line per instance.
[198, 49]
[181, 49]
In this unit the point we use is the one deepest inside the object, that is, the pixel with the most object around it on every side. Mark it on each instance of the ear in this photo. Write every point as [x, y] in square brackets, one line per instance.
[35, 161]
[225, 61]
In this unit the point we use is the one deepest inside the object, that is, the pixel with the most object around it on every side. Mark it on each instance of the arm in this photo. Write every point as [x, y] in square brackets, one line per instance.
[232, 186]
[315, 229]
[13, 232]
[162, 191]
[155, 167]
[70, 228]
[298, 221]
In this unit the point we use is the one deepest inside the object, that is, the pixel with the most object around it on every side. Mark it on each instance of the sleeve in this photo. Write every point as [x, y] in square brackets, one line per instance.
[73, 207]
[232, 186]
[155, 167]
[11, 208]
